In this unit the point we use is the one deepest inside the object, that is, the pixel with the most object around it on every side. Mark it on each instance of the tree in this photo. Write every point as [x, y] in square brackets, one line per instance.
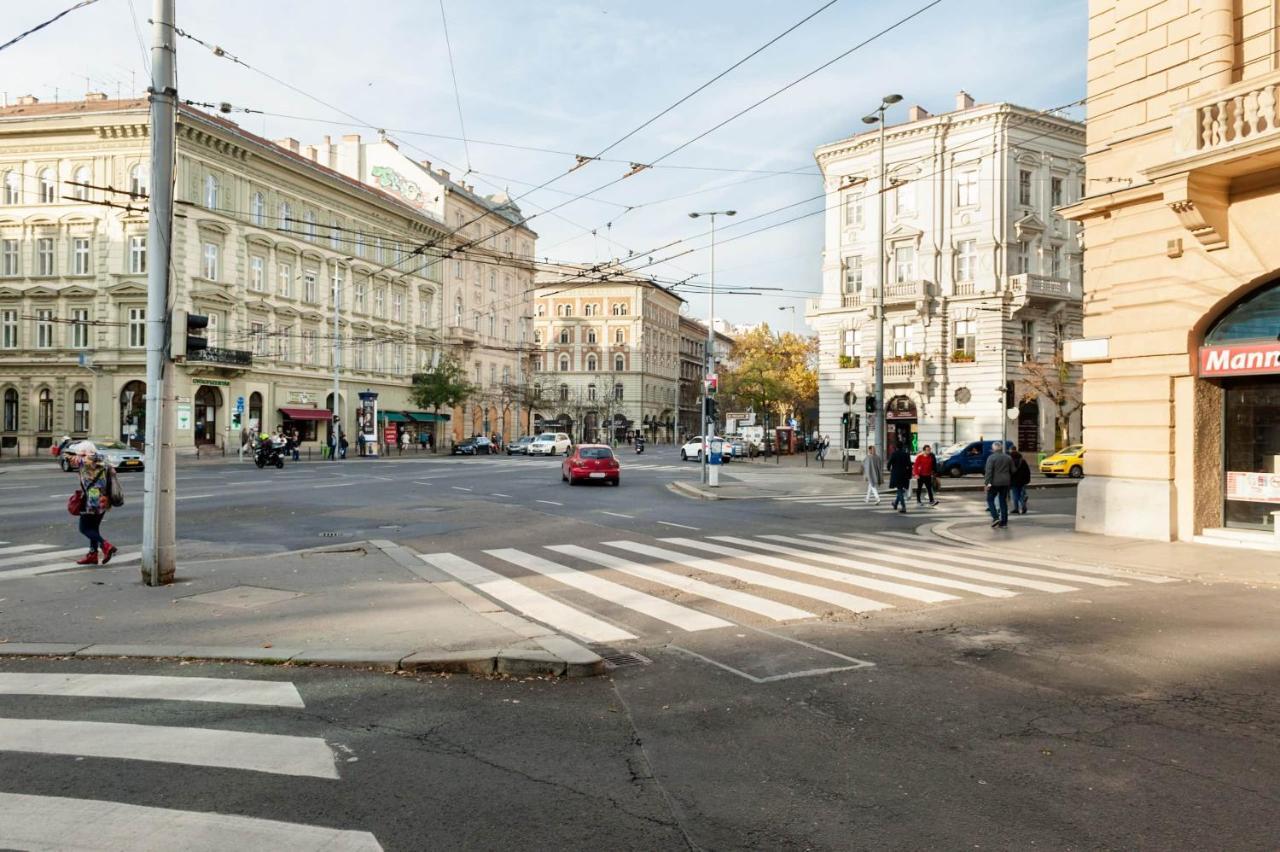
[770, 374]
[445, 386]
[1059, 382]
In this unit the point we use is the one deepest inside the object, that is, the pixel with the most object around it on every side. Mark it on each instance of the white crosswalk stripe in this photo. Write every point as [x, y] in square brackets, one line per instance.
[34, 560]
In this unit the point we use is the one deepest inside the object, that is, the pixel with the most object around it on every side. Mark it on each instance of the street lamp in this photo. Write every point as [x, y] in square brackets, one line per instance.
[710, 363]
[791, 308]
[877, 117]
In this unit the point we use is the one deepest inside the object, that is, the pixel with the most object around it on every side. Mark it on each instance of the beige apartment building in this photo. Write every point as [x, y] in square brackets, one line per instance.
[608, 355]
[264, 236]
[1182, 271]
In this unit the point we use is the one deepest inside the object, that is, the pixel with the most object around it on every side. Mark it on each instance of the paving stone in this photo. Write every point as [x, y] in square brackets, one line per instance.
[38, 649]
[249, 653]
[480, 662]
[522, 662]
[385, 660]
[579, 661]
[131, 651]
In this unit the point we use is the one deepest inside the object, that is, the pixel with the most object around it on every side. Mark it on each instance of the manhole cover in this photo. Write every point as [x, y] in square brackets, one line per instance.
[244, 597]
[615, 659]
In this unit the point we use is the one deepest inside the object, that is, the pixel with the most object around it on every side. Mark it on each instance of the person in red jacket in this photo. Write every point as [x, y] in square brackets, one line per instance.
[924, 468]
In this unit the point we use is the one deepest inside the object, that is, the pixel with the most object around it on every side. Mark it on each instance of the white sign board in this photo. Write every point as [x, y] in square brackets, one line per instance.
[1253, 487]
[184, 416]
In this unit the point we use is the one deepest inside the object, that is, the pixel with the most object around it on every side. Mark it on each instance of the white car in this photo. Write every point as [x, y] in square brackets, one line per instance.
[693, 448]
[550, 444]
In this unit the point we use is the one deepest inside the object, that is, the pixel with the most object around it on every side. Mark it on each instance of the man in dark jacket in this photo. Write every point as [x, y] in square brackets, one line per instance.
[997, 477]
[900, 477]
[1021, 479]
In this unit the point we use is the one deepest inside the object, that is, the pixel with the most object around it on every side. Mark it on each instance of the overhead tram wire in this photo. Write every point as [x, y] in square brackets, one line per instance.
[20, 36]
[457, 96]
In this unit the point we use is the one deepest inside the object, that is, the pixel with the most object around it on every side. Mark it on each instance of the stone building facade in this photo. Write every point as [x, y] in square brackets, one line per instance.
[262, 236]
[982, 275]
[1182, 304]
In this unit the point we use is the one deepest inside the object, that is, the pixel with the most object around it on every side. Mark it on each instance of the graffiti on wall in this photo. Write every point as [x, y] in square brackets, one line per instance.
[390, 180]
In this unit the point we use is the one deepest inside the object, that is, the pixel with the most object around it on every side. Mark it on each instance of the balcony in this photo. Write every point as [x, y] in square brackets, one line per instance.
[221, 357]
[907, 292]
[909, 370]
[459, 335]
[1043, 287]
[834, 303]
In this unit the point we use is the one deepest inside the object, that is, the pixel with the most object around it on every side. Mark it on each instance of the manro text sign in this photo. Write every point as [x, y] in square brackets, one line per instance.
[1253, 359]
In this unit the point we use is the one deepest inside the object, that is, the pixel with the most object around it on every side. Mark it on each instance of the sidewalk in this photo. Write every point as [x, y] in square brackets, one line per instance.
[366, 604]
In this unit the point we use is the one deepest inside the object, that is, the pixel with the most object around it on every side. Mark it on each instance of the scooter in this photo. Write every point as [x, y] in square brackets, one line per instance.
[639, 446]
[268, 453]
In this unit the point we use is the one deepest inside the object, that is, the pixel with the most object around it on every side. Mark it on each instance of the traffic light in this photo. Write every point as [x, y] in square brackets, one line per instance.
[871, 404]
[712, 412]
[713, 384]
[186, 334]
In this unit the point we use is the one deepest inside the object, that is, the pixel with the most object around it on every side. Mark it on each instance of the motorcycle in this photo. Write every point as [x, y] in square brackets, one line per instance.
[639, 447]
[268, 453]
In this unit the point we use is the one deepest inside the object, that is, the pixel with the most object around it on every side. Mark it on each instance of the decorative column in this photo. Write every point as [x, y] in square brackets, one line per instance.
[1217, 45]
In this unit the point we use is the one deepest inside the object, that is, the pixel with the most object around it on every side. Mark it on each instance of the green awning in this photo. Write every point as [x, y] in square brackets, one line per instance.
[427, 417]
[392, 417]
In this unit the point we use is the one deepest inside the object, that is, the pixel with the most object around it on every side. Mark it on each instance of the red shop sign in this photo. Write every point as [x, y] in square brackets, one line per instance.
[388, 434]
[1250, 360]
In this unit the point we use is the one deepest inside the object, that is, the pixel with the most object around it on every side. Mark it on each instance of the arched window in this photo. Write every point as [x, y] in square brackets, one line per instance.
[619, 363]
[255, 409]
[620, 336]
[10, 410]
[540, 311]
[335, 234]
[138, 180]
[44, 411]
[48, 187]
[564, 393]
[589, 310]
[457, 311]
[591, 335]
[12, 188]
[592, 363]
[82, 175]
[617, 392]
[80, 411]
[591, 393]
[564, 363]
[286, 215]
[564, 335]
[258, 209]
[211, 192]
[537, 335]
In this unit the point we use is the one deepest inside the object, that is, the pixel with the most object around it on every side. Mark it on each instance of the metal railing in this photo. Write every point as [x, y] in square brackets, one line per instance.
[214, 355]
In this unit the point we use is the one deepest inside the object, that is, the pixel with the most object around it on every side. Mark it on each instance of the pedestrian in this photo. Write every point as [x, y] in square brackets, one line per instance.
[244, 441]
[1021, 479]
[997, 477]
[343, 443]
[924, 468]
[295, 443]
[359, 443]
[871, 470]
[404, 440]
[900, 477]
[96, 479]
[422, 441]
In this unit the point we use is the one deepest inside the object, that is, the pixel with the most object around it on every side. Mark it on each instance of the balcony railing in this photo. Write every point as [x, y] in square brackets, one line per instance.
[906, 291]
[1243, 112]
[214, 355]
[1044, 286]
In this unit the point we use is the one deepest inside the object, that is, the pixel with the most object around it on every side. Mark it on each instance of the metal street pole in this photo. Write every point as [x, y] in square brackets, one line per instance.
[158, 545]
[882, 276]
[337, 365]
[710, 361]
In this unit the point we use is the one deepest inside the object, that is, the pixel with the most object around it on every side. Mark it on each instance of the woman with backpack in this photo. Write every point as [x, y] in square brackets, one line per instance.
[94, 499]
[1021, 479]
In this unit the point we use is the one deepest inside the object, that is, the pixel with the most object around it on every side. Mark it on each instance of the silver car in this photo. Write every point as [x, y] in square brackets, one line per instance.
[120, 456]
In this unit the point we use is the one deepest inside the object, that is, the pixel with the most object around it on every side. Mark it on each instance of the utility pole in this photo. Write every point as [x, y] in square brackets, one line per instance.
[158, 516]
[337, 364]
[710, 364]
[882, 276]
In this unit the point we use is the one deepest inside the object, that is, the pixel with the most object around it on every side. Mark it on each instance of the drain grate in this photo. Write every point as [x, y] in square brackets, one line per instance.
[615, 659]
[329, 534]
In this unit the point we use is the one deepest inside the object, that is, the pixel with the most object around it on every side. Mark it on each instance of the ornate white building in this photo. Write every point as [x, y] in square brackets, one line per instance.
[983, 275]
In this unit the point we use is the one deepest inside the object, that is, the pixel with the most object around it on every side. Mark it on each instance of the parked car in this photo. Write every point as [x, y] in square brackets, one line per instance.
[520, 446]
[550, 444]
[1068, 460]
[968, 457]
[591, 462]
[120, 456]
[477, 446]
[692, 448]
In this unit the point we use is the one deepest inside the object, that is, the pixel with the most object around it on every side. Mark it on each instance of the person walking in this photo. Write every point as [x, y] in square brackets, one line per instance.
[1021, 479]
[96, 479]
[924, 468]
[900, 477]
[997, 477]
[872, 471]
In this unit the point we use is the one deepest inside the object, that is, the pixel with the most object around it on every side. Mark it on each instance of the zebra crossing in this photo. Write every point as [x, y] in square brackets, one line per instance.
[32, 560]
[946, 508]
[37, 821]
[621, 590]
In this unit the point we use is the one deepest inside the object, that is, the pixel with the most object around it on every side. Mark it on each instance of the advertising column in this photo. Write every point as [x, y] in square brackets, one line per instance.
[367, 423]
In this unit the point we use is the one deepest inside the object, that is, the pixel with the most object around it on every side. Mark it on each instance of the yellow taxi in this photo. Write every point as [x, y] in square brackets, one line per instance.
[1067, 461]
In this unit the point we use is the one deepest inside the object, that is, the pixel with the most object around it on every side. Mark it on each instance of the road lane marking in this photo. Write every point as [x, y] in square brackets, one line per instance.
[273, 693]
[496, 494]
[194, 496]
[654, 607]
[681, 526]
[278, 754]
[459, 488]
[524, 599]
[41, 557]
[333, 485]
[709, 591]
[618, 515]
[55, 822]
[56, 567]
[551, 502]
[24, 548]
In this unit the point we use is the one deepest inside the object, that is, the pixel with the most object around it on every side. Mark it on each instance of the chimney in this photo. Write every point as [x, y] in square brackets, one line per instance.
[426, 164]
[964, 100]
[95, 96]
[444, 174]
[310, 153]
[917, 113]
[27, 100]
[351, 137]
[288, 143]
[327, 141]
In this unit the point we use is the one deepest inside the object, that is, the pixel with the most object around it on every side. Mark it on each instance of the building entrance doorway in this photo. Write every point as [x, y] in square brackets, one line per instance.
[1029, 426]
[133, 414]
[208, 401]
[901, 425]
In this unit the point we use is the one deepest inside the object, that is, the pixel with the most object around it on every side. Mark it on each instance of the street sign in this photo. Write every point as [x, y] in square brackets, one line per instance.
[240, 404]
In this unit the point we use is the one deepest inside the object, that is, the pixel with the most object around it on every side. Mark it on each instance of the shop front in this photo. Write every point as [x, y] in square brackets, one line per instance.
[1241, 355]
[305, 421]
[427, 427]
[902, 425]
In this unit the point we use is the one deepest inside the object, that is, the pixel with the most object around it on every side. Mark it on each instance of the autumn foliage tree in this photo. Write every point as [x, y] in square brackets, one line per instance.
[1058, 381]
[773, 374]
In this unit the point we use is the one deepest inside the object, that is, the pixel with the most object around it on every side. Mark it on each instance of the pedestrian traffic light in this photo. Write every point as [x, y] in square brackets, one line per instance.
[871, 404]
[186, 334]
[713, 384]
[844, 421]
[712, 413]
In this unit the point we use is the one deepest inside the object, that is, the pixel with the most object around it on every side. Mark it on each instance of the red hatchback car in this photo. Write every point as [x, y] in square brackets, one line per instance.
[590, 462]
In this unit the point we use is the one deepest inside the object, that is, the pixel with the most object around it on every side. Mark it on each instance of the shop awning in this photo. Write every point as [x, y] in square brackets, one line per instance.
[307, 413]
[392, 417]
[427, 417]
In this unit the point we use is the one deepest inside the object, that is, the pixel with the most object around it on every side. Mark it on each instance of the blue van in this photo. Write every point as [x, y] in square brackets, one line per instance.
[971, 457]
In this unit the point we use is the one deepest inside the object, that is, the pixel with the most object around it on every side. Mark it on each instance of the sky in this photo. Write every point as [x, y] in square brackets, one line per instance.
[572, 77]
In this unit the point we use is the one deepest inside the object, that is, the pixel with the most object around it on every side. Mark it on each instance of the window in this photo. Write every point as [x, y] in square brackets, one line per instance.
[211, 192]
[48, 187]
[284, 279]
[380, 301]
[311, 225]
[81, 176]
[424, 310]
[397, 306]
[284, 218]
[258, 210]
[9, 266]
[563, 393]
[211, 261]
[1028, 340]
[904, 263]
[493, 281]
[79, 255]
[1055, 262]
[619, 336]
[1055, 191]
[591, 335]
[565, 336]
[1022, 259]
[851, 343]
[966, 259]
[309, 286]
[138, 181]
[257, 277]
[457, 311]
[11, 410]
[137, 328]
[537, 335]
[213, 331]
[564, 363]
[12, 188]
[506, 330]
[79, 328]
[44, 328]
[591, 393]
[377, 249]
[360, 297]
[965, 340]
[617, 392]
[284, 343]
[44, 411]
[44, 256]
[80, 411]
[1024, 187]
[258, 338]
[589, 310]
[853, 274]
[8, 329]
[904, 197]
[138, 254]
[493, 325]
[904, 341]
[335, 285]
[967, 189]
[592, 363]
[309, 346]
[359, 245]
[619, 363]
[457, 269]
[853, 210]
[335, 235]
